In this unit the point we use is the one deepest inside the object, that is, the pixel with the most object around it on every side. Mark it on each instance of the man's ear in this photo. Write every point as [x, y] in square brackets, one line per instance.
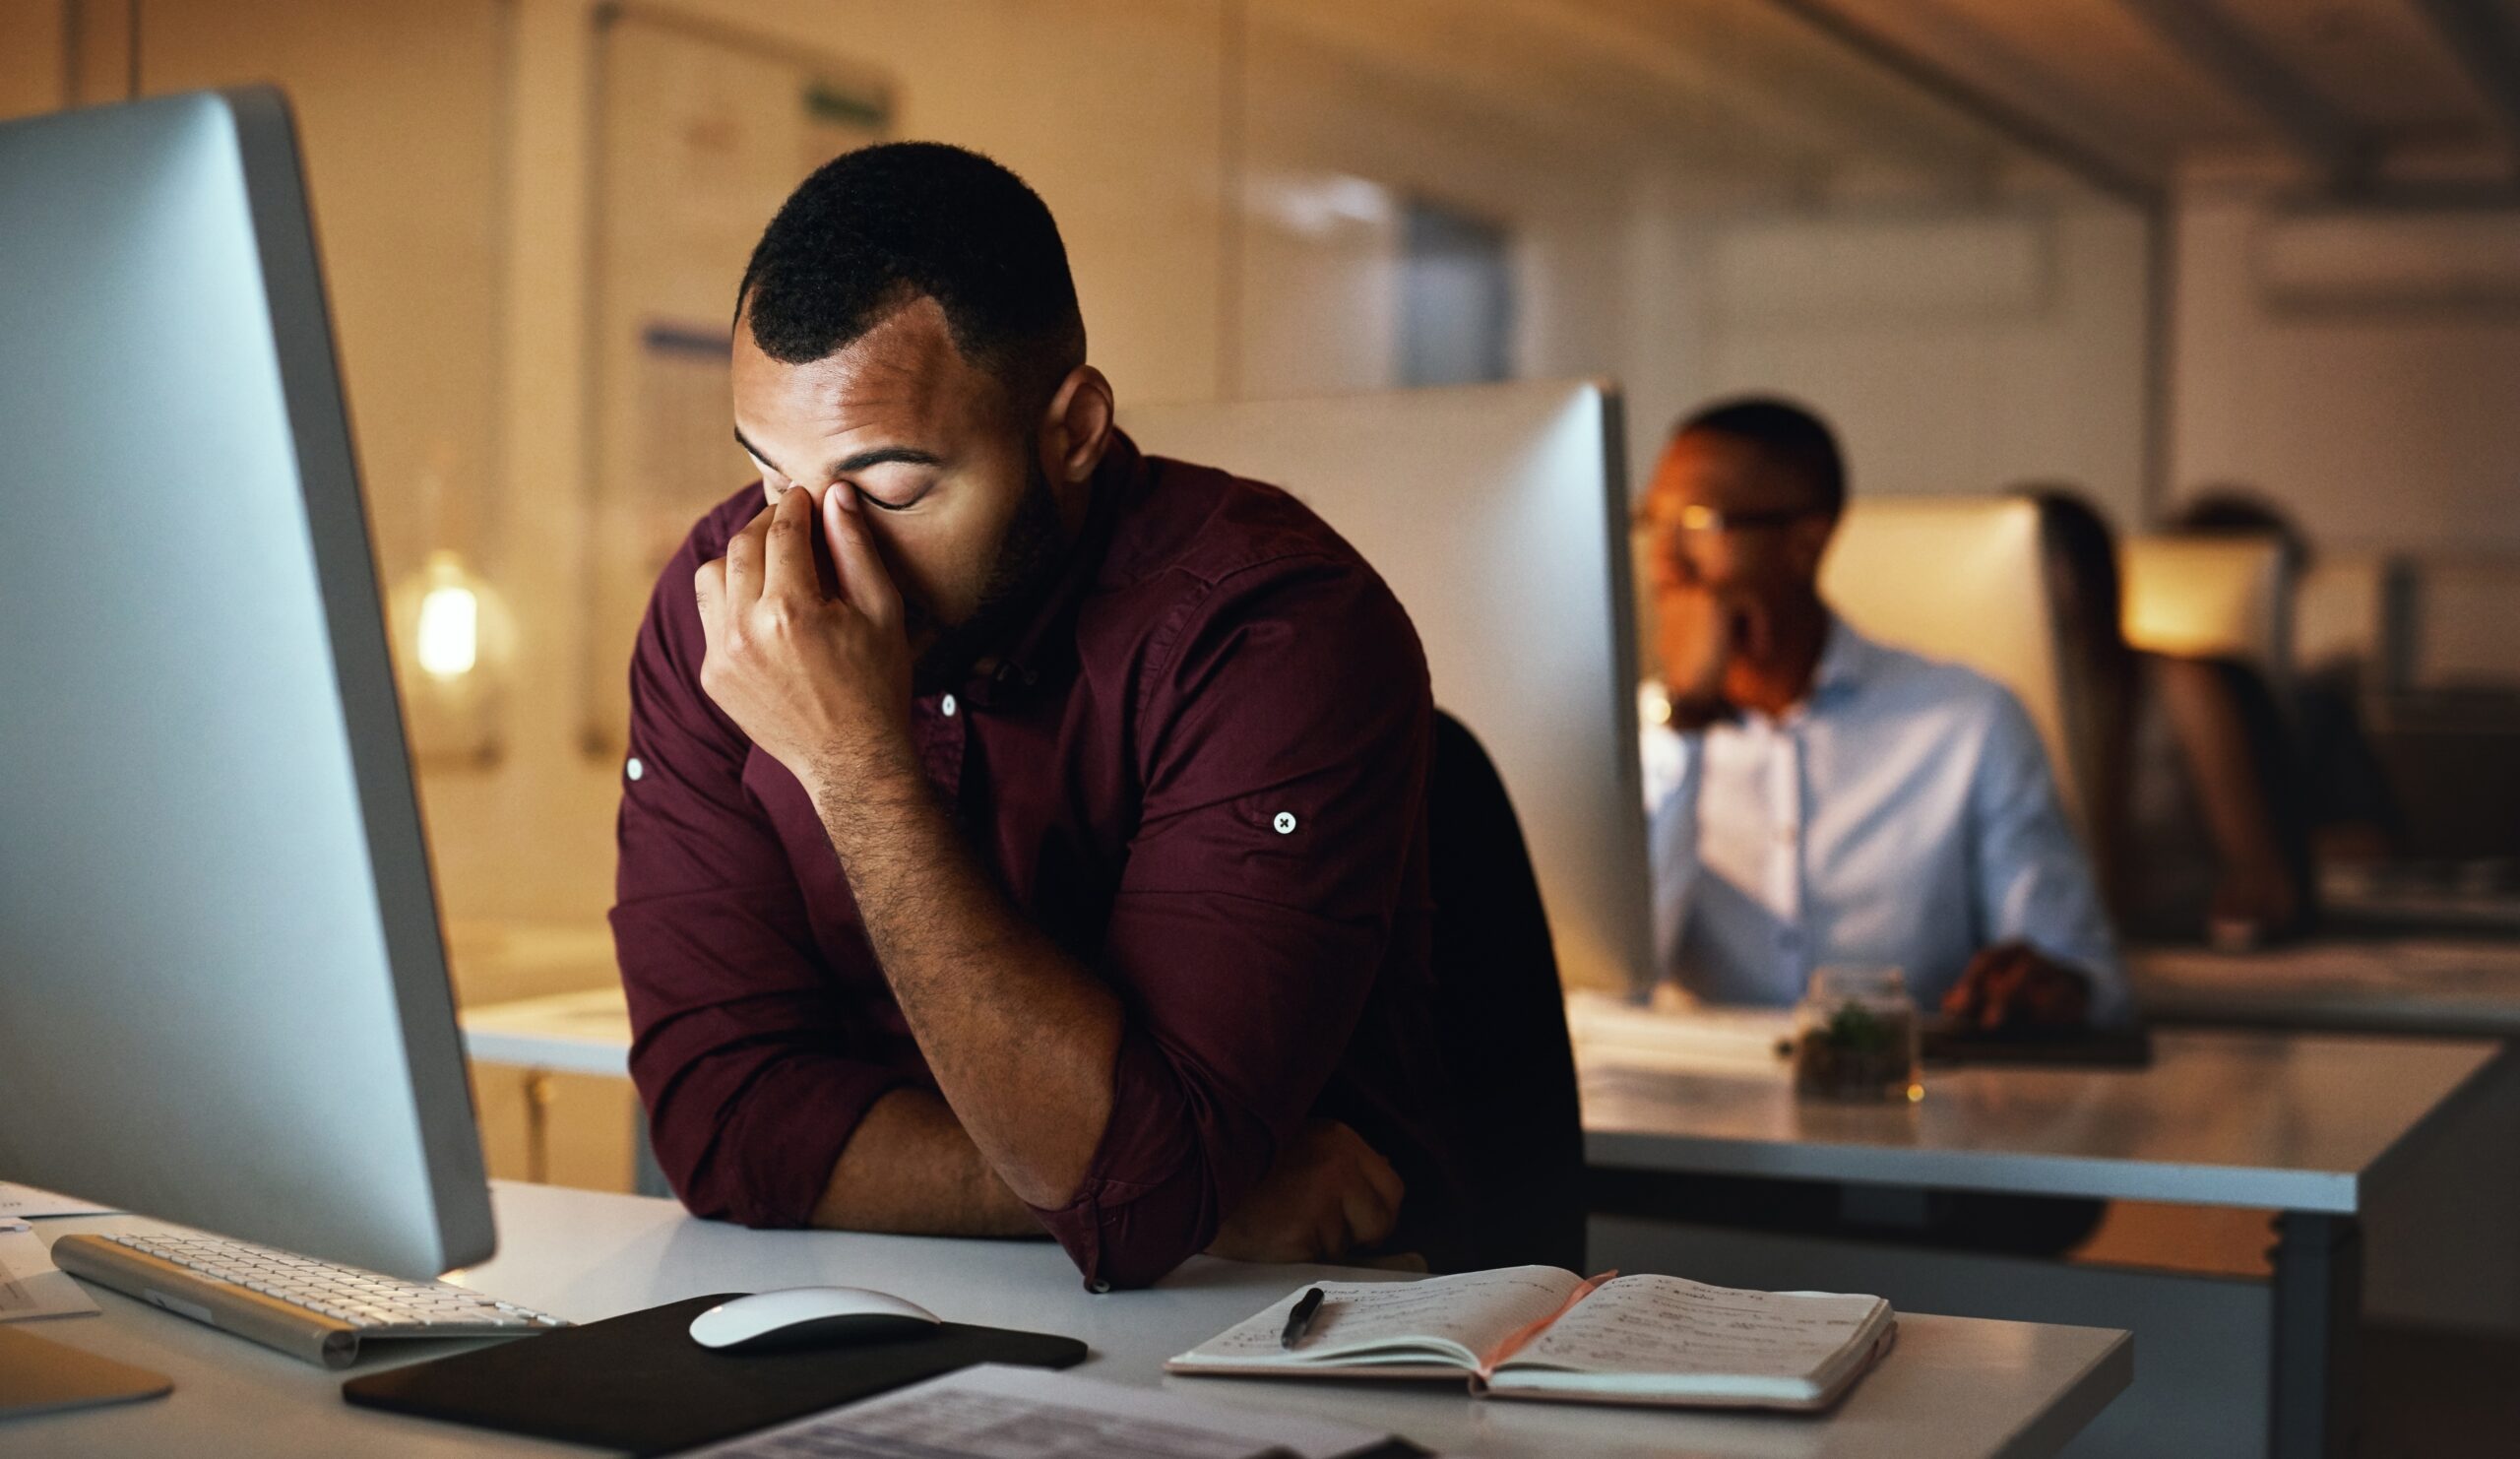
[1807, 541]
[1076, 428]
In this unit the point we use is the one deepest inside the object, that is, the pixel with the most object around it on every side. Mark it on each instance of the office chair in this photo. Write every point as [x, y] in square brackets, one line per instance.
[1963, 577]
[1501, 1018]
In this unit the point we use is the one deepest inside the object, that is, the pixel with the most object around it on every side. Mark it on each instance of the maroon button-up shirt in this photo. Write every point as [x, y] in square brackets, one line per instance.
[1201, 772]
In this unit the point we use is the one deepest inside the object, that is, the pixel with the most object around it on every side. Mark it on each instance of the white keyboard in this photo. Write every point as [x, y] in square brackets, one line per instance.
[316, 1310]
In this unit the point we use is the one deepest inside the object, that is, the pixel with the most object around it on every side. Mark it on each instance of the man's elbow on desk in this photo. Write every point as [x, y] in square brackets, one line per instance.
[1122, 1243]
[755, 1138]
[1150, 1199]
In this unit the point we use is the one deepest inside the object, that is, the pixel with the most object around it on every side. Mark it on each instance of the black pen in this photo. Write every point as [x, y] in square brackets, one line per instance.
[1300, 1321]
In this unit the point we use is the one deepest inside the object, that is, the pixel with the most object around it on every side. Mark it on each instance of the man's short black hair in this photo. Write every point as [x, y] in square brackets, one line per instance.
[876, 229]
[1792, 437]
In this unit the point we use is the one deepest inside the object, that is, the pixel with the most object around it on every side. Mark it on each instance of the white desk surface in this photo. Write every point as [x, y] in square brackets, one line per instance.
[1952, 1388]
[580, 1032]
[2287, 1121]
[2458, 986]
[2274, 1121]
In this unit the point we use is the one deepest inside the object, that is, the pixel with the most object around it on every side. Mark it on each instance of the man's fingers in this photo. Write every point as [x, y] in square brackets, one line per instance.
[1961, 1002]
[2002, 993]
[864, 578]
[1386, 1181]
[1369, 1217]
[744, 562]
[1331, 1238]
[2055, 995]
[708, 591]
[787, 548]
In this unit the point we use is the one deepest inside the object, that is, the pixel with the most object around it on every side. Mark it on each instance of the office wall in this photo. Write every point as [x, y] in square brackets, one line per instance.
[1958, 348]
[34, 61]
[2361, 367]
[1958, 344]
[2372, 390]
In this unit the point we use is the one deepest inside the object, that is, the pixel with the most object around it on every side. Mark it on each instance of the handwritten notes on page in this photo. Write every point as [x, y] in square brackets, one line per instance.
[1670, 1325]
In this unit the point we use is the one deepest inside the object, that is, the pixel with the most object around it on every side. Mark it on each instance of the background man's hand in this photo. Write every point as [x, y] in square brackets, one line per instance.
[2011, 985]
[817, 682]
[1698, 632]
[1328, 1196]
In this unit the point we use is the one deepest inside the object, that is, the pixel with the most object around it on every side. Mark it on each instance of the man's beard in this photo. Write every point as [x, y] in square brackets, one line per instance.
[1028, 561]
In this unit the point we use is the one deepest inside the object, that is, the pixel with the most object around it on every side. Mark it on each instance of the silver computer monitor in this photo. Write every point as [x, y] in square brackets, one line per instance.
[223, 1000]
[1498, 515]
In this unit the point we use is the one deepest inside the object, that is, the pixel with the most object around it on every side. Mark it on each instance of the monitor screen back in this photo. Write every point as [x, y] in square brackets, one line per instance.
[223, 999]
[1498, 515]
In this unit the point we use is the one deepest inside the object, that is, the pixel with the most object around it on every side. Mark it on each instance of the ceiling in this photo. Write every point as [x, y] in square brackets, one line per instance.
[2355, 94]
[2350, 97]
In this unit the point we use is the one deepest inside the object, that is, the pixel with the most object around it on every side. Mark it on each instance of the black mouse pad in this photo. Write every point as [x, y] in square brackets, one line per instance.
[639, 1382]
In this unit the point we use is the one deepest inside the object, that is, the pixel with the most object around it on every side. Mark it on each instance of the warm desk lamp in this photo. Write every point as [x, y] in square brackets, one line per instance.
[453, 639]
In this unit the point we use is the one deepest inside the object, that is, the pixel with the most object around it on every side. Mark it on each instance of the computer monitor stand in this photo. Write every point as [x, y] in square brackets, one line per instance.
[39, 1376]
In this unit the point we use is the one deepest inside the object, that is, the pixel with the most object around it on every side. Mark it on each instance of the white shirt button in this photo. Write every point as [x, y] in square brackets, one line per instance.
[633, 768]
[946, 706]
[1286, 823]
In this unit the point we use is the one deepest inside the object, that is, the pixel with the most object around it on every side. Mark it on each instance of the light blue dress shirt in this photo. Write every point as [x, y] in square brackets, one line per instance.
[1902, 815]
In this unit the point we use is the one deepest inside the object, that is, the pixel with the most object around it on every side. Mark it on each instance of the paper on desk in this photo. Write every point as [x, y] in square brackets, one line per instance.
[27, 1203]
[30, 1285]
[997, 1412]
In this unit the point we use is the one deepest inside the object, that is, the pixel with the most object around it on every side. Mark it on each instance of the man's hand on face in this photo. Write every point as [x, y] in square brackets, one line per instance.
[822, 683]
[1328, 1196]
[2010, 985]
[1699, 634]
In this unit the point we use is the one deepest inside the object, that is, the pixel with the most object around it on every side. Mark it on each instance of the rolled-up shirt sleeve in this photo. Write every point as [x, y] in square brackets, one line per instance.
[744, 1050]
[1287, 730]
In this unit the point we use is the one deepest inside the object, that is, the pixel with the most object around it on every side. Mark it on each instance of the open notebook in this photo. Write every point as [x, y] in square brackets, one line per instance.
[1540, 1332]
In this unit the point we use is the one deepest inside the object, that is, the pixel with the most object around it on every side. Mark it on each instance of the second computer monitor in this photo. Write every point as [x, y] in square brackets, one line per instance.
[1498, 515]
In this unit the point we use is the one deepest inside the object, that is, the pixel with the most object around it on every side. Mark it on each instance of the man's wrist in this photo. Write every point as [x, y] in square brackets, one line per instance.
[849, 778]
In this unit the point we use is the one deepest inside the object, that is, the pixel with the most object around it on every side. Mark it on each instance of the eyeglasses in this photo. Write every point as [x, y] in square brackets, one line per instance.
[1699, 518]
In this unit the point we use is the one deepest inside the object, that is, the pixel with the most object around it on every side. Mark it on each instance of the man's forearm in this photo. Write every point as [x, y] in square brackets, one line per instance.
[909, 1168]
[1019, 1037]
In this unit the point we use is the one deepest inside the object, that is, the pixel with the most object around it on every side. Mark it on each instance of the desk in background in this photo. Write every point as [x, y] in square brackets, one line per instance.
[580, 1032]
[2312, 1126]
[2440, 1244]
[1952, 1388]
[2450, 987]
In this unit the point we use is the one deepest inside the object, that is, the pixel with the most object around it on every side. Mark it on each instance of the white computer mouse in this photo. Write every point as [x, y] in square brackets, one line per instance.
[806, 1316]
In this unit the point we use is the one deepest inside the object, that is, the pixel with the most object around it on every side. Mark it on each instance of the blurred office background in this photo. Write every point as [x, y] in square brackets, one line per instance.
[2145, 247]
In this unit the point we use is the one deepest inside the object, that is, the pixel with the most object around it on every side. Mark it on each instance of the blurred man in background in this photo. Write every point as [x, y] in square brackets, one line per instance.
[1820, 799]
[2195, 818]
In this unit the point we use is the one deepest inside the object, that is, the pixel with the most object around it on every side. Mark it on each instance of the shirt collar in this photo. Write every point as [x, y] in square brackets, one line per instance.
[1043, 653]
[1847, 659]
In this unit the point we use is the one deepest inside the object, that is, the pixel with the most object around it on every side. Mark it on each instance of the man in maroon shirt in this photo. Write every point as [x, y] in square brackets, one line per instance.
[1019, 833]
